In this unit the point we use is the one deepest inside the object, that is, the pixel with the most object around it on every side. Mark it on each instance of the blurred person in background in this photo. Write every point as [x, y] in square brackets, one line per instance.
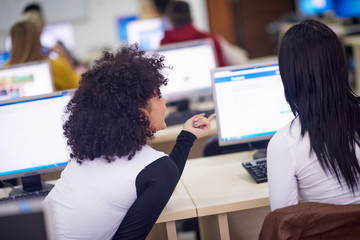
[26, 47]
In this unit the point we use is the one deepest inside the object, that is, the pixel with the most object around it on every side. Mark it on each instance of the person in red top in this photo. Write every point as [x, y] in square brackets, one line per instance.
[179, 15]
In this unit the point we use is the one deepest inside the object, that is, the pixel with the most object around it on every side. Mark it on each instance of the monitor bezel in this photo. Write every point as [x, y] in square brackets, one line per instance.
[218, 117]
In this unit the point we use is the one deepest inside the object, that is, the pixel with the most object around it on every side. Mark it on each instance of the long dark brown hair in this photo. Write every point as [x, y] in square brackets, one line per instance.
[314, 72]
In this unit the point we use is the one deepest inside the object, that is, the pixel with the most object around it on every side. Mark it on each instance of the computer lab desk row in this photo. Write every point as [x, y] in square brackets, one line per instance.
[222, 195]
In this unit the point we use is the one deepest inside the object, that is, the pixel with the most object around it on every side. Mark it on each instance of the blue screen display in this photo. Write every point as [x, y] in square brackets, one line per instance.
[347, 8]
[314, 7]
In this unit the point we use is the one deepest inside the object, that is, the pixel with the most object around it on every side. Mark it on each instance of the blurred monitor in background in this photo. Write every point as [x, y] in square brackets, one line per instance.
[23, 80]
[4, 57]
[347, 9]
[190, 77]
[52, 35]
[314, 7]
[146, 32]
[121, 27]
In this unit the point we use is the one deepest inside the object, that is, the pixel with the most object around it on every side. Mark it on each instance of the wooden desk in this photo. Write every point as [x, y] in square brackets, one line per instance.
[230, 205]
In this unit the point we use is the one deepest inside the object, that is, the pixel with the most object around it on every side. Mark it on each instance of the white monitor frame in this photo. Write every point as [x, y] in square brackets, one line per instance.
[249, 102]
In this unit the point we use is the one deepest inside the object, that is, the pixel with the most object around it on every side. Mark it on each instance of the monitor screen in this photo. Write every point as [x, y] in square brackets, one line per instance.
[53, 33]
[22, 80]
[314, 7]
[121, 26]
[146, 32]
[347, 8]
[249, 102]
[190, 76]
[4, 57]
[31, 139]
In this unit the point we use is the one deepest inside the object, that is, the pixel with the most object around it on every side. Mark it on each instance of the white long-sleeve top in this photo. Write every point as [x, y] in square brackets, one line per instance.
[294, 171]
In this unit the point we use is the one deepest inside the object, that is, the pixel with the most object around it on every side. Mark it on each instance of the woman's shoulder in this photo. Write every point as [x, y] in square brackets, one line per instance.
[291, 132]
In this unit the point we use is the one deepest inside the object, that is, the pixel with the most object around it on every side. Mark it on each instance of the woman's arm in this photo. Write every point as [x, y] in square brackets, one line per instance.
[154, 186]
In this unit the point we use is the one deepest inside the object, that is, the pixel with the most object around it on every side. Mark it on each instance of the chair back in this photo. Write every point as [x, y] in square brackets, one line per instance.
[312, 221]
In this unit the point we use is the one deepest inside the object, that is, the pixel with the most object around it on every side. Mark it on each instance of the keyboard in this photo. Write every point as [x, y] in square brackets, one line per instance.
[181, 117]
[40, 194]
[257, 169]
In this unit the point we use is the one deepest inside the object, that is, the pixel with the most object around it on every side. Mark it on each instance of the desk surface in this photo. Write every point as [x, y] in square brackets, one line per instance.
[220, 184]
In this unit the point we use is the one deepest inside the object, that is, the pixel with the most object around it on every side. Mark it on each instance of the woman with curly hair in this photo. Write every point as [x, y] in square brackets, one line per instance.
[115, 186]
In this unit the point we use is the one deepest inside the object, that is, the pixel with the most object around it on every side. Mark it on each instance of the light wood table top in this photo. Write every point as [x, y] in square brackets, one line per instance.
[220, 184]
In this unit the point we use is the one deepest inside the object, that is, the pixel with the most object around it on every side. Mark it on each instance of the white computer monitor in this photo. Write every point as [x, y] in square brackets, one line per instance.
[31, 139]
[190, 76]
[22, 80]
[146, 32]
[249, 102]
[52, 34]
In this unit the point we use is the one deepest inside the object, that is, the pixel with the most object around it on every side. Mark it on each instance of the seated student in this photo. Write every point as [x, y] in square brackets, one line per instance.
[180, 18]
[115, 185]
[316, 156]
[26, 47]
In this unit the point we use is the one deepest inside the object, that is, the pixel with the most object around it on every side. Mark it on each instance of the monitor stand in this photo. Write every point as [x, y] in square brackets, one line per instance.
[261, 147]
[260, 153]
[30, 184]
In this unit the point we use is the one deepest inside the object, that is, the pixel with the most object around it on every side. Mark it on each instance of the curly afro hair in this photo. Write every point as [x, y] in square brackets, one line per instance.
[104, 117]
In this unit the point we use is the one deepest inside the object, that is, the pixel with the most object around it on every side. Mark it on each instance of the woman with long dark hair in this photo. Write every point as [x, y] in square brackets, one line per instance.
[316, 156]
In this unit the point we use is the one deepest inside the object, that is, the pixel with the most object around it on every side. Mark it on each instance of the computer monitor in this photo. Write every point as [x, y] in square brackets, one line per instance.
[347, 8]
[31, 139]
[146, 32]
[249, 102]
[27, 220]
[314, 7]
[52, 34]
[22, 80]
[121, 26]
[190, 76]
[4, 57]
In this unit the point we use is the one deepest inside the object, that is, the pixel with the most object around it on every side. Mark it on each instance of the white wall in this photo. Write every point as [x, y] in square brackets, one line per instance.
[96, 28]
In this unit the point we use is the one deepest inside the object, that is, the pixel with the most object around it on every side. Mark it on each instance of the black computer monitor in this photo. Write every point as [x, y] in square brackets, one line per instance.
[314, 7]
[190, 76]
[249, 102]
[28, 79]
[31, 139]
